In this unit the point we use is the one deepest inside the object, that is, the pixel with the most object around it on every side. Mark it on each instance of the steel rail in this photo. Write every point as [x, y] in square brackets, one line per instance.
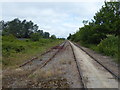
[45, 63]
[113, 74]
[79, 70]
[28, 61]
[53, 55]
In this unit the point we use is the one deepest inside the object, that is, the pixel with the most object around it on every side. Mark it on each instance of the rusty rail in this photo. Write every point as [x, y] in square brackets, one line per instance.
[79, 70]
[59, 47]
[116, 76]
[45, 63]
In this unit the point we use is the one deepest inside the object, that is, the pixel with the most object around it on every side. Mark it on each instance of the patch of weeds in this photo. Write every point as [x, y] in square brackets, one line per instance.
[57, 82]
[69, 62]
[63, 61]
[32, 76]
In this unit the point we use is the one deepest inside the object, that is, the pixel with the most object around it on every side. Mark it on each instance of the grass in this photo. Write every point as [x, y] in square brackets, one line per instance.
[45, 73]
[64, 62]
[15, 52]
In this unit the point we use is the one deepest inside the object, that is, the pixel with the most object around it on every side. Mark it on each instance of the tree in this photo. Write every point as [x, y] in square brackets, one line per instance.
[108, 17]
[53, 37]
[69, 36]
[106, 21]
[23, 29]
[46, 34]
[85, 22]
[41, 33]
[20, 29]
[35, 37]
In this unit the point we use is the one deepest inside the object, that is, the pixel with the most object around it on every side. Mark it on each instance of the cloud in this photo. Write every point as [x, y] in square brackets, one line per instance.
[59, 18]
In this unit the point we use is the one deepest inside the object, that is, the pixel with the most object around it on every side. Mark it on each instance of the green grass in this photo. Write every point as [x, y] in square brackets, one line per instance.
[15, 52]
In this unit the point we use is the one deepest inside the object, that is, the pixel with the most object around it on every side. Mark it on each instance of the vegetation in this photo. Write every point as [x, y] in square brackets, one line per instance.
[22, 40]
[101, 34]
[15, 51]
[23, 29]
[109, 46]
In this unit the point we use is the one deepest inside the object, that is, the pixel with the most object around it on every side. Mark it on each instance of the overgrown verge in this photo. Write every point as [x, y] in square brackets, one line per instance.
[15, 51]
[108, 46]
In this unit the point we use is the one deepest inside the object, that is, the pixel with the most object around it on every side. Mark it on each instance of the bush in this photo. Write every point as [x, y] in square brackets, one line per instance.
[35, 37]
[53, 37]
[11, 45]
[109, 46]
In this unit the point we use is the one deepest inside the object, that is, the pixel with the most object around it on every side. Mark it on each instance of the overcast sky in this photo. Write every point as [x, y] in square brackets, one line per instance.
[59, 18]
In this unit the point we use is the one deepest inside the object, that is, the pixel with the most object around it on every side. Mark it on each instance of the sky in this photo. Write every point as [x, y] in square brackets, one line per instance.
[58, 18]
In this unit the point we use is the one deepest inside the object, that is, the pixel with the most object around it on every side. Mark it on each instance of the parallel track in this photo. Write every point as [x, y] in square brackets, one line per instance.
[113, 74]
[53, 55]
[46, 61]
[34, 58]
[79, 70]
[77, 64]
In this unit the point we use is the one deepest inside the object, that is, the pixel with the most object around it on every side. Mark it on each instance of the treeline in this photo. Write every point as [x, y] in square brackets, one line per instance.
[102, 31]
[24, 29]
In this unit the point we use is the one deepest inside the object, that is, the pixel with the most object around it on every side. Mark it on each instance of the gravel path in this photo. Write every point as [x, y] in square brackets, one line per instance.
[94, 75]
[105, 60]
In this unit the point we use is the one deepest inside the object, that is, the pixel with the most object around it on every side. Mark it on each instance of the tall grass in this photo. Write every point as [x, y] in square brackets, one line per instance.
[15, 52]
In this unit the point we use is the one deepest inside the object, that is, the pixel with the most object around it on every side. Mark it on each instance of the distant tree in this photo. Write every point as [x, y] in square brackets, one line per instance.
[85, 22]
[35, 28]
[106, 21]
[35, 37]
[69, 36]
[41, 33]
[53, 37]
[28, 28]
[20, 29]
[61, 38]
[23, 29]
[46, 34]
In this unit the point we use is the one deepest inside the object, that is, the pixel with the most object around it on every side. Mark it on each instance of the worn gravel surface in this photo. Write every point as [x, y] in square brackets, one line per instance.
[94, 75]
[105, 60]
[60, 72]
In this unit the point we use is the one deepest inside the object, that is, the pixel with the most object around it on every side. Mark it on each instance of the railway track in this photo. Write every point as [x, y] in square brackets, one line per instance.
[116, 76]
[56, 51]
[80, 71]
[58, 48]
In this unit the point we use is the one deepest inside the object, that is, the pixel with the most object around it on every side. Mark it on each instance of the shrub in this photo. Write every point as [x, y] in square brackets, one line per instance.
[53, 37]
[109, 46]
[35, 37]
